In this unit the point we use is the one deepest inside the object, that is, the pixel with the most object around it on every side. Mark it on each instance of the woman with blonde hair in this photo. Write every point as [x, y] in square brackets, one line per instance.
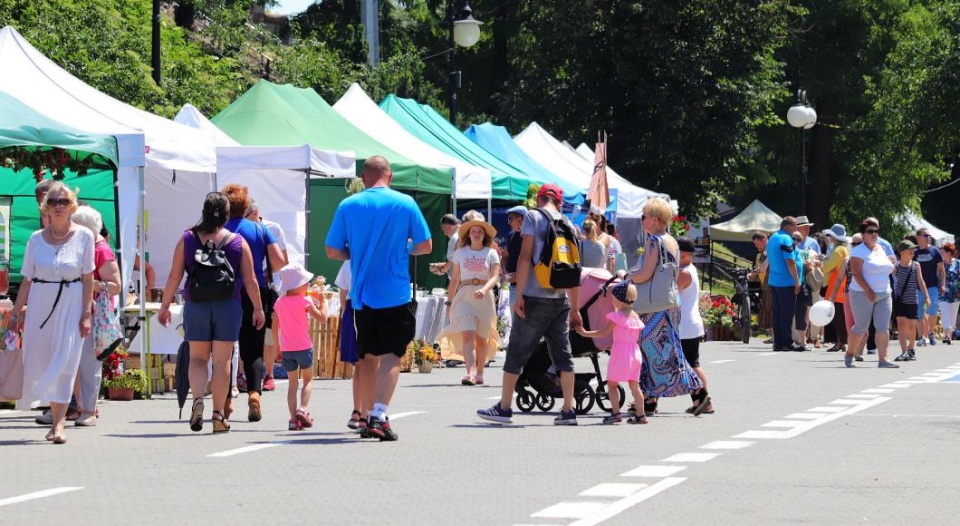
[472, 333]
[666, 371]
[58, 266]
[594, 253]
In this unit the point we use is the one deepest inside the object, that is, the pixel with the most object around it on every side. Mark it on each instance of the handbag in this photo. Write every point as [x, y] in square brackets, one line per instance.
[107, 331]
[660, 292]
[11, 370]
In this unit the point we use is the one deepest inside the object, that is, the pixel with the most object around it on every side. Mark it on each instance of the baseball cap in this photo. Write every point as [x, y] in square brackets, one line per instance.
[518, 210]
[552, 190]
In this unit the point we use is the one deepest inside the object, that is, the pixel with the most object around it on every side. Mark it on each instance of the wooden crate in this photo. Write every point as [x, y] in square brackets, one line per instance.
[326, 350]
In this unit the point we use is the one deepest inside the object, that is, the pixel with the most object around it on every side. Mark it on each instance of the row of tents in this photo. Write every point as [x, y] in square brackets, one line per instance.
[294, 151]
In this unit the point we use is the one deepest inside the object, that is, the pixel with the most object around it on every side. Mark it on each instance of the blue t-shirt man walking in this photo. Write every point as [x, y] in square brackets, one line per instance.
[372, 230]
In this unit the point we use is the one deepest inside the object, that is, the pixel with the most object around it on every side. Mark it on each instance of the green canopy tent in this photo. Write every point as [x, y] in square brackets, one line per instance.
[31, 142]
[271, 114]
[510, 184]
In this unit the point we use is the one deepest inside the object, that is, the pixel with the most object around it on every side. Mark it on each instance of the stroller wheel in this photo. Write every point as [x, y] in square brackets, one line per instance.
[603, 398]
[525, 401]
[583, 401]
[545, 402]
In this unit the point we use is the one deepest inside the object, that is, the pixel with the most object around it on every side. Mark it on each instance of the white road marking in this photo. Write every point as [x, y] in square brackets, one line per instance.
[945, 371]
[826, 409]
[807, 426]
[613, 489]
[10, 412]
[654, 471]
[878, 391]
[692, 457]
[896, 386]
[768, 353]
[38, 495]
[723, 361]
[806, 416]
[844, 401]
[865, 396]
[569, 510]
[760, 434]
[612, 510]
[247, 449]
[728, 444]
[783, 423]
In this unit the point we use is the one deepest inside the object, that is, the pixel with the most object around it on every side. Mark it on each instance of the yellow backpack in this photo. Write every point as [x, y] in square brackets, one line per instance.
[559, 264]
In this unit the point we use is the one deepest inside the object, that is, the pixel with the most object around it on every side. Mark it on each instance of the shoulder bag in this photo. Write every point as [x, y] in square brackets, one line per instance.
[660, 292]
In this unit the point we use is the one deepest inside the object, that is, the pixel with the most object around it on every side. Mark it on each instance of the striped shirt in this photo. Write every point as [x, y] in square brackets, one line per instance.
[907, 284]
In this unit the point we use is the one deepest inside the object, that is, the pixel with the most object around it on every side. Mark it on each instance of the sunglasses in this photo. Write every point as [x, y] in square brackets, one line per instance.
[63, 201]
[857, 244]
[872, 231]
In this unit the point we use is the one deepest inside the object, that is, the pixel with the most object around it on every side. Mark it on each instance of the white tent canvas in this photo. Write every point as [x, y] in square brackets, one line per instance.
[615, 180]
[470, 182]
[915, 222]
[179, 160]
[756, 217]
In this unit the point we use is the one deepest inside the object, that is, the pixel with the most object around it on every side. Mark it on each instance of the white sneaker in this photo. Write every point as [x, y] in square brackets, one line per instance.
[44, 419]
[86, 420]
[234, 393]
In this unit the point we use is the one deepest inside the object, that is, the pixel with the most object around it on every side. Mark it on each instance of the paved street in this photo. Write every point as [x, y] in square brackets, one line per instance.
[796, 438]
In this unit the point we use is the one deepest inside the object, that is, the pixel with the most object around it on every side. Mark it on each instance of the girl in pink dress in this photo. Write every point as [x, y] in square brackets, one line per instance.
[625, 357]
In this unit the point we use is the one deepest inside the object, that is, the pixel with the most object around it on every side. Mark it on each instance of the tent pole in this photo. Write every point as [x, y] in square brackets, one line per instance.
[141, 242]
[490, 210]
[306, 216]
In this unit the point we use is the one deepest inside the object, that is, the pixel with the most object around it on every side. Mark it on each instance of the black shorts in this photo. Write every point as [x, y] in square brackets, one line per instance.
[385, 331]
[910, 311]
[691, 351]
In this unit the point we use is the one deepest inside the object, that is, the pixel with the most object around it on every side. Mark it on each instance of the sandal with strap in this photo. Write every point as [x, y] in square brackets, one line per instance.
[220, 425]
[196, 415]
[638, 419]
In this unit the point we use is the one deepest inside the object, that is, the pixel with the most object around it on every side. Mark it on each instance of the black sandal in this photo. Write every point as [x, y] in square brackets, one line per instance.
[701, 401]
[220, 425]
[650, 407]
[196, 415]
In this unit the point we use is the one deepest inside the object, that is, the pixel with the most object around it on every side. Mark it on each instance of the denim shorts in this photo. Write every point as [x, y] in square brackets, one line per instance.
[293, 360]
[546, 318]
[210, 321]
[934, 307]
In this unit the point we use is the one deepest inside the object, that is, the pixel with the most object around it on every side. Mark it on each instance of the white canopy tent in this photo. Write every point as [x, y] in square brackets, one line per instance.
[615, 180]
[756, 217]
[914, 222]
[470, 182]
[179, 161]
[278, 179]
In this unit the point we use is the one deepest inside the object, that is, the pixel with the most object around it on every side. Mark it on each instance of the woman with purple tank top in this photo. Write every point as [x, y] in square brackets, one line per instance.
[211, 327]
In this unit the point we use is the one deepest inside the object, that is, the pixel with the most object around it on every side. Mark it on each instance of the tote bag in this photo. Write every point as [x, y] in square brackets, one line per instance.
[11, 369]
[107, 331]
[660, 292]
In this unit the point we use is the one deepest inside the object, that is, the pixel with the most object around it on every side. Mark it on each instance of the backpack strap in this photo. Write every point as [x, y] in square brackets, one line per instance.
[547, 251]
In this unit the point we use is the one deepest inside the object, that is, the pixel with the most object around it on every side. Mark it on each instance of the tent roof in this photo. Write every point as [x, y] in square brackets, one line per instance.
[496, 140]
[915, 222]
[425, 123]
[49, 89]
[615, 180]
[271, 114]
[190, 116]
[755, 217]
[22, 126]
[305, 158]
[472, 182]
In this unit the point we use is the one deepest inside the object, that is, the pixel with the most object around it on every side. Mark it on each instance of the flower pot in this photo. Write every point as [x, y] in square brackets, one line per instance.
[124, 394]
[425, 367]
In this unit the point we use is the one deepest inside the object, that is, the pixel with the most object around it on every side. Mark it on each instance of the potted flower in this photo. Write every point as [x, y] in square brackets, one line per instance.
[718, 313]
[122, 387]
[113, 366]
[425, 356]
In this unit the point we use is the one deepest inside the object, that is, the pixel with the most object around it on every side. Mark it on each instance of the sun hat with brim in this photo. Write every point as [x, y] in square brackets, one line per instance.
[518, 210]
[803, 221]
[465, 228]
[838, 232]
[293, 276]
[906, 244]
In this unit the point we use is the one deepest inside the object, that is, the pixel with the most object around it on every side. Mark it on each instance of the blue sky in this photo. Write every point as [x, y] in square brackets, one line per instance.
[288, 7]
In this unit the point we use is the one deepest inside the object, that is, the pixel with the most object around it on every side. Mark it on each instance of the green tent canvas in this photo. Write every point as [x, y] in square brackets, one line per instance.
[271, 114]
[24, 127]
[509, 183]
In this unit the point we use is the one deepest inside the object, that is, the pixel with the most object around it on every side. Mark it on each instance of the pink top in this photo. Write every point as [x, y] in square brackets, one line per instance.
[291, 311]
[627, 328]
[101, 254]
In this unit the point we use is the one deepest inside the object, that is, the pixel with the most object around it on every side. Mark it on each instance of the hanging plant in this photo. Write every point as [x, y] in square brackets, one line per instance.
[53, 160]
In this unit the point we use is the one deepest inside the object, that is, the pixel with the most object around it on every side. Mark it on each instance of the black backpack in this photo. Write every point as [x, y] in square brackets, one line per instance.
[212, 278]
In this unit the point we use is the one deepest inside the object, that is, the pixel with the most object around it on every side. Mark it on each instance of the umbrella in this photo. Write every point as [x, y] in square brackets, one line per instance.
[599, 192]
[182, 374]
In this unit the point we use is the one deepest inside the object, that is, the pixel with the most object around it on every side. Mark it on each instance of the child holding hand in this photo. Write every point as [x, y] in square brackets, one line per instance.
[625, 358]
[296, 347]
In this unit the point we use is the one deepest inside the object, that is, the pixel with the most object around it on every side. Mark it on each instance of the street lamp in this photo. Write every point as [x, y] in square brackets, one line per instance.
[802, 117]
[464, 31]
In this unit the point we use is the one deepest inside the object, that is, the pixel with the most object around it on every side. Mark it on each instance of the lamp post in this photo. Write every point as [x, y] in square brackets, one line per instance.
[802, 117]
[463, 30]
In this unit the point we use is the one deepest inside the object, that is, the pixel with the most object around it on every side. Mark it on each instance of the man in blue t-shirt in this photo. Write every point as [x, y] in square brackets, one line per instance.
[934, 276]
[372, 229]
[784, 281]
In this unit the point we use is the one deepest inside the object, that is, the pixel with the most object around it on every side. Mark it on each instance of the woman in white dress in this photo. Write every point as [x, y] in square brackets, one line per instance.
[58, 285]
[472, 333]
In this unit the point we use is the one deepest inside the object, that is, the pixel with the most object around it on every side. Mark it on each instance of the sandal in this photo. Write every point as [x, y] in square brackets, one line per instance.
[253, 412]
[294, 425]
[478, 379]
[649, 407]
[303, 416]
[74, 415]
[468, 380]
[354, 421]
[701, 399]
[220, 425]
[638, 419]
[196, 415]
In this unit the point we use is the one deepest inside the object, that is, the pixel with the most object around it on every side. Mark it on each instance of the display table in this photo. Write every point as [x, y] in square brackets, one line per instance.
[154, 338]
[430, 317]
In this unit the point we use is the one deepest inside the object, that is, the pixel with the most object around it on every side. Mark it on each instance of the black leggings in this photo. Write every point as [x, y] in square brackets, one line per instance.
[251, 342]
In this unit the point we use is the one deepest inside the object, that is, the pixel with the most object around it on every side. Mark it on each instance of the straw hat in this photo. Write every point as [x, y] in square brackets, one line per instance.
[487, 227]
[293, 276]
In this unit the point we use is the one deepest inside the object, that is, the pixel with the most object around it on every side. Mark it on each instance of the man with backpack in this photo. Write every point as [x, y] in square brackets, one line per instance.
[548, 285]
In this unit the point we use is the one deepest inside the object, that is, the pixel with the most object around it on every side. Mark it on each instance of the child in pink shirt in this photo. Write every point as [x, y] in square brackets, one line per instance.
[296, 347]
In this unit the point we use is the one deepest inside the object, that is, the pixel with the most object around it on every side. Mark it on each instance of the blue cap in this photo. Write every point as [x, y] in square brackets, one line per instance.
[519, 210]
